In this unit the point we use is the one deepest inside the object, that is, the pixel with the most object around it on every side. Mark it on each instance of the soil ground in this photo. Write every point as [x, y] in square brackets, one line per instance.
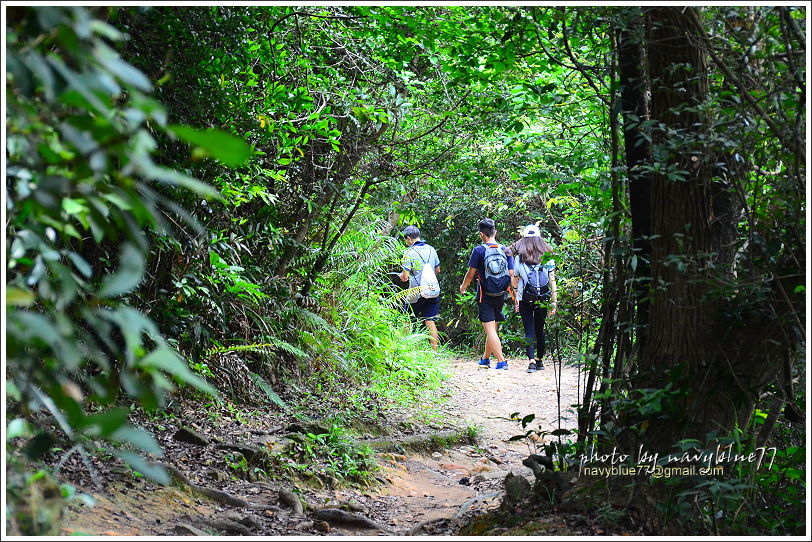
[420, 493]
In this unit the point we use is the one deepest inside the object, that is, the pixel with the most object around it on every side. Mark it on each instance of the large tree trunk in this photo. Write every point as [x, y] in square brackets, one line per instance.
[691, 340]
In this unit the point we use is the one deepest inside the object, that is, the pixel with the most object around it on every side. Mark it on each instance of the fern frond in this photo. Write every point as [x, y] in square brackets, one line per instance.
[290, 349]
[257, 347]
[315, 321]
[266, 388]
[398, 298]
[264, 348]
[364, 248]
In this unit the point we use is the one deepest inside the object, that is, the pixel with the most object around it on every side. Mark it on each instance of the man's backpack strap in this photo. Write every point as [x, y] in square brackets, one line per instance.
[417, 252]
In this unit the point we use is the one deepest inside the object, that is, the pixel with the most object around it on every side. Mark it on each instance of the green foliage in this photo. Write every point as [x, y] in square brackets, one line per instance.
[467, 435]
[563, 452]
[332, 454]
[259, 246]
[226, 148]
[263, 347]
[237, 462]
[749, 498]
[266, 388]
[83, 190]
[35, 502]
[377, 346]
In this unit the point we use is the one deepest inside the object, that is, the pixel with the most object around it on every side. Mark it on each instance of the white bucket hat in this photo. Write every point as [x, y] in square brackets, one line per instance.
[531, 231]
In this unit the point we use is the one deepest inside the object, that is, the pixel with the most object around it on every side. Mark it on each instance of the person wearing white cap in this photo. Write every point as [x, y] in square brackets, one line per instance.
[534, 284]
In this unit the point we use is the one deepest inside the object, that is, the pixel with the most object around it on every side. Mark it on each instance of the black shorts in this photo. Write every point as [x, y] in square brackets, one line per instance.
[426, 309]
[490, 310]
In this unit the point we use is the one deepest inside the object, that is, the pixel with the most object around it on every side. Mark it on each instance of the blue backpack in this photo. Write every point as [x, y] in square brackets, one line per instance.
[497, 279]
[536, 282]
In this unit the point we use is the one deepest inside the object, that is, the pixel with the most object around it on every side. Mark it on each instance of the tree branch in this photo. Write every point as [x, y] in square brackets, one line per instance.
[432, 129]
[731, 78]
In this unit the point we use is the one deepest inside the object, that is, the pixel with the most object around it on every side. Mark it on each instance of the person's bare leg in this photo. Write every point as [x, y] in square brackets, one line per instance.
[492, 342]
[432, 327]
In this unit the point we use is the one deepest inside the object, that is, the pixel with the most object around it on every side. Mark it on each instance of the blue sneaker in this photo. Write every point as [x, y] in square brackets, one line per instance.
[485, 363]
[501, 365]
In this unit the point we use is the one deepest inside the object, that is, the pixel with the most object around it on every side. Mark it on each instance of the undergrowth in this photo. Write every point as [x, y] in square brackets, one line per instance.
[370, 356]
[724, 484]
[332, 458]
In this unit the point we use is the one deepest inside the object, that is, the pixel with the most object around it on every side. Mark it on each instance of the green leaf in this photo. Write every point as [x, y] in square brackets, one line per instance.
[80, 264]
[118, 201]
[138, 437]
[129, 274]
[104, 424]
[13, 391]
[104, 29]
[77, 83]
[34, 325]
[126, 73]
[50, 156]
[73, 206]
[151, 171]
[228, 149]
[18, 427]
[17, 297]
[263, 384]
[168, 360]
[154, 472]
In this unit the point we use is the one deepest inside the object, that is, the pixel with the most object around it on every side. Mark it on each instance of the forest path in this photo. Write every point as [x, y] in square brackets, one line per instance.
[425, 492]
[464, 479]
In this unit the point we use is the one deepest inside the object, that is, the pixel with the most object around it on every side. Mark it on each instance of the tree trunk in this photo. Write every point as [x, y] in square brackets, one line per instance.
[691, 340]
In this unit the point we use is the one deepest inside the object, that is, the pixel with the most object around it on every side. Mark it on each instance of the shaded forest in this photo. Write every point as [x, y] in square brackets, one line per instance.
[203, 207]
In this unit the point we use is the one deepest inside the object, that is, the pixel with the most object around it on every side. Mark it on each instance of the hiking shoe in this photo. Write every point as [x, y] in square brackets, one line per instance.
[501, 365]
[539, 365]
[531, 368]
[485, 363]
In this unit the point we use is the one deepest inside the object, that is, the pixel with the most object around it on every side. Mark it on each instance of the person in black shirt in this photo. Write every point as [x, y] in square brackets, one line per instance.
[490, 299]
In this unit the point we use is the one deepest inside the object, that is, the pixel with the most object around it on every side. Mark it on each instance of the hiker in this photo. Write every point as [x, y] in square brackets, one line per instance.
[492, 264]
[534, 284]
[421, 266]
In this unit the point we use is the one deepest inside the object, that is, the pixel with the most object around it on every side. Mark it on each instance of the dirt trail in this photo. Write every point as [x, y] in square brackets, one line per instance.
[437, 486]
[425, 487]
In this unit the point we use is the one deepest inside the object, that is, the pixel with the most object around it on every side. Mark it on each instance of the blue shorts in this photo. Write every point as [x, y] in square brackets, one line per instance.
[426, 309]
[490, 310]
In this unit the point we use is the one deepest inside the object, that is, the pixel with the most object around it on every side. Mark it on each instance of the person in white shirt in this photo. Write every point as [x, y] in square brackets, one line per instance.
[418, 255]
